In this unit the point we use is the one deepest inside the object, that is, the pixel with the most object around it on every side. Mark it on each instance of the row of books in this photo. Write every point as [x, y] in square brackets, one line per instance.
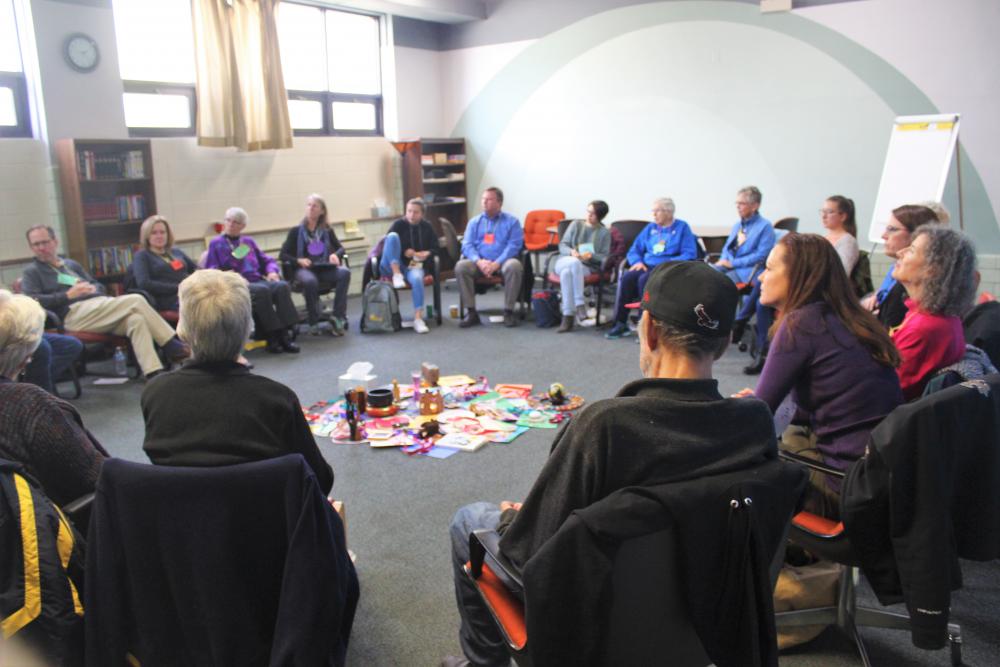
[111, 260]
[125, 207]
[429, 159]
[96, 166]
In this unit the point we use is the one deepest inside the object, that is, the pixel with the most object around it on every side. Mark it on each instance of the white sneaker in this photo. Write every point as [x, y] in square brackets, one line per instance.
[420, 326]
[397, 281]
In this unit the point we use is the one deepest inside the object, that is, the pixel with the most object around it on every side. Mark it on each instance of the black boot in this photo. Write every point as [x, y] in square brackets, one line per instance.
[739, 326]
[471, 319]
[757, 366]
[567, 324]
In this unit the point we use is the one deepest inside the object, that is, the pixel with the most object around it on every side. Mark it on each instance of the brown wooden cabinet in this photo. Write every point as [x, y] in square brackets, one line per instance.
[434, 169]
[107, 191]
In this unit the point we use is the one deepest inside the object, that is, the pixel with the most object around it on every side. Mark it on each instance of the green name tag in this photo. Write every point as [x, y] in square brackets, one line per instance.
[658, 248]
[66, 279]
[241, 251]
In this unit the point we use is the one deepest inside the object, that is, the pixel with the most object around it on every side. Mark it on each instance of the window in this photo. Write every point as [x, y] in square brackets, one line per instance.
[331, 61]
[13, 87]
[332, 69]
[156, 61]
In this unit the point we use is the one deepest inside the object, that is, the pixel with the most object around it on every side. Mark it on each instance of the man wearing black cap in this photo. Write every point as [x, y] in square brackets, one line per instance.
[670, 426]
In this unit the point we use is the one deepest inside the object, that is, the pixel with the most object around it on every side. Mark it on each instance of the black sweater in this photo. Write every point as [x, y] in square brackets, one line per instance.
[156, 275]
[215, 414]
[290, 248]
[419, 237]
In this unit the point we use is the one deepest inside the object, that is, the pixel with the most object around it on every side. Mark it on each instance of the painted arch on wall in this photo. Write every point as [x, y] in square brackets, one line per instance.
[693, 100]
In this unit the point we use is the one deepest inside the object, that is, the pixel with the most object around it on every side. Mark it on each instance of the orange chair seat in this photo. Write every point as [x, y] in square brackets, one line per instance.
[817, 525]
[508, 610]
[589, 279]
[539, 245]
[93, 338]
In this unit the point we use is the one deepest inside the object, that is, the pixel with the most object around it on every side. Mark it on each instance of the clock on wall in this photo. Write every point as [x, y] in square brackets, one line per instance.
[81, 52]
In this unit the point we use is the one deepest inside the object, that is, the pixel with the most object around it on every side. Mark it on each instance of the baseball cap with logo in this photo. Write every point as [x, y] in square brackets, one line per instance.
[691, 296]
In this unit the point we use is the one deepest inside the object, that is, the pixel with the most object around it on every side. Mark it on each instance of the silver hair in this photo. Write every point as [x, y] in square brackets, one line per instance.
[238, 214]
[939, 209]
[950, 260]
[667, 203]
[752, 193]
[22, 321]
[690, 343]
[215, 315]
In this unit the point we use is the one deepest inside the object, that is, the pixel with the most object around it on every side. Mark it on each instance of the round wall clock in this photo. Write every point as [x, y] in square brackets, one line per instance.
[81, 52]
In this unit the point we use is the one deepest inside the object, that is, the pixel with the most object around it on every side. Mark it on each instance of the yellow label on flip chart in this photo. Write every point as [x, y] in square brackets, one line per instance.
[946, 125]
[906, 127]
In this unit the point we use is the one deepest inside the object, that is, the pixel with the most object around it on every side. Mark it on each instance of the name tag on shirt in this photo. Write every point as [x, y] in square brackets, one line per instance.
[177, 265]
[66, 279]
[585, 248]
[241, 251]
[489, 238]
[659, 247]
[741, 237]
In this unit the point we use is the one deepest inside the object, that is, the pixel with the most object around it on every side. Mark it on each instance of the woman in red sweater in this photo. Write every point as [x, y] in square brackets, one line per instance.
[938, 271]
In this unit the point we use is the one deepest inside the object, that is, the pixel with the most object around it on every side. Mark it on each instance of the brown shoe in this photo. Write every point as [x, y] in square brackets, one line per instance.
[471, 319]
[567, 324]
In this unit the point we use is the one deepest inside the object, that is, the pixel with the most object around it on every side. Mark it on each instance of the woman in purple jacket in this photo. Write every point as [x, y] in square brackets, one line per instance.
[829, 355]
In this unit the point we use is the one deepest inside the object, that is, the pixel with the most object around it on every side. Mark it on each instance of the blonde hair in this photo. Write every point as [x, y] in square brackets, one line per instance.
[147, 229]
[22, 321]
[215, 314]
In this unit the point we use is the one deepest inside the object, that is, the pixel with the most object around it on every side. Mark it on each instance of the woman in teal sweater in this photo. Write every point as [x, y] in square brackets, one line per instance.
[583, 249]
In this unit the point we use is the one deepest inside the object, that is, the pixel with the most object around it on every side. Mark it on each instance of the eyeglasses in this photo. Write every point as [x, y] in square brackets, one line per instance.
[891, 229]
[39, 244]
[742, 203]
[236, 222]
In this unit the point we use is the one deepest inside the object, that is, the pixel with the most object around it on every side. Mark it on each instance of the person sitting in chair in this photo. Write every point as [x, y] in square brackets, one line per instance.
[213, 411]
[672, 425]
[316, 252]
[410, 240]
[271, 296]
[491, 244]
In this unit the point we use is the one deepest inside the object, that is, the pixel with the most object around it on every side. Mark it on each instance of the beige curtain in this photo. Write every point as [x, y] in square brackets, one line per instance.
[240, 88]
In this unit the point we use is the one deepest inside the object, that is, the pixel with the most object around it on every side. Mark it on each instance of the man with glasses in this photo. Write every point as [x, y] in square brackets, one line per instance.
[64, 287]
[746, 249]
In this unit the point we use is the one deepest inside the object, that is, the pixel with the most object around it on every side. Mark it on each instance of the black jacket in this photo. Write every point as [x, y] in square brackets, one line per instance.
[216, 414]
[243, 565]
[982, 329]
[924, 495]
[724, 547]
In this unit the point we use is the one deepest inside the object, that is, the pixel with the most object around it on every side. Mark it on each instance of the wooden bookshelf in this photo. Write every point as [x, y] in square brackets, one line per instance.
[107, 191]
[434, 169]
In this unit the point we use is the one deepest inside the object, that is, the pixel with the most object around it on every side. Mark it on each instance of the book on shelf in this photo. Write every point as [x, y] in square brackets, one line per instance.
[111, 260]
[123, 208]
[97, 166]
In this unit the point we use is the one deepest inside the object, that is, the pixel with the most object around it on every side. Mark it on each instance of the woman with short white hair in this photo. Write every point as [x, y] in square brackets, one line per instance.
[43, 433]
[213, 411]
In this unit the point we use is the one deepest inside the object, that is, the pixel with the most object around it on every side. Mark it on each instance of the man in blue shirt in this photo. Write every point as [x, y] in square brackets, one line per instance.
[750, 241]
[666, 239]
[746, 249]
[491, 244]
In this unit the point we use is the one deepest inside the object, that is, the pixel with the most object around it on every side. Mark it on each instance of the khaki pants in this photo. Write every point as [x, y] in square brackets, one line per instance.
[129, 315]
[466, 273]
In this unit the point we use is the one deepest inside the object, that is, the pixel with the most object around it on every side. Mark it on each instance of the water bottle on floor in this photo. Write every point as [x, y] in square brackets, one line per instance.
[121, 362]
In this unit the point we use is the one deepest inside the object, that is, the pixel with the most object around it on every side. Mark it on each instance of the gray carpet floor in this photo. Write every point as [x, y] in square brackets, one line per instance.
[399, 507]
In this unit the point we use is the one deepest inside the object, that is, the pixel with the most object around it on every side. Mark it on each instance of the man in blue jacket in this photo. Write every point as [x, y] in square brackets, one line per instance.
[751, 239]
[666, 239]
[492, 242]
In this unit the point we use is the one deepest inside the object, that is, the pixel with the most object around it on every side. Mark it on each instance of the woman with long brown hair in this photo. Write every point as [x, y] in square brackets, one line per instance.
[841, 228]
[830, 355]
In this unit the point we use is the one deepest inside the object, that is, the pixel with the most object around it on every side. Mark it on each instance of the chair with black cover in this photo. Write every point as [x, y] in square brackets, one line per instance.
[432, 277]
[232, 565]
[623, 579]
[131, 287]
[787, 224]
[923, 496]
[486, 283]
[288, 275]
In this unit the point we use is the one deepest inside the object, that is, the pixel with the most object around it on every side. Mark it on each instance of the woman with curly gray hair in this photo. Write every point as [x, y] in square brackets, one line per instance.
[938, 271]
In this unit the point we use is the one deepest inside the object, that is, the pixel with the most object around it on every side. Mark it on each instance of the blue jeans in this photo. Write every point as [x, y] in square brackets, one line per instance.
[480, 639]
[391, 251]
[55, 354]
[765, 315]
[571, 272]
[630, 287]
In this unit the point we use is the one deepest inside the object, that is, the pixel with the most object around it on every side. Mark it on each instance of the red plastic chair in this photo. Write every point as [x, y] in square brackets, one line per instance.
[537, 237]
